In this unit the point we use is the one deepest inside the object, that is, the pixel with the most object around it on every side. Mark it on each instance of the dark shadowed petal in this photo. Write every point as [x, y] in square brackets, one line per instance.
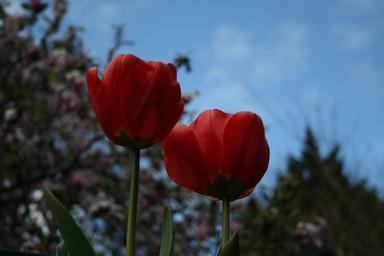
[170, 105]
[263, 160]
[221, 186]
[183, 159]
[173, 71]
[100, 101]
[149, 123]
[247, 193]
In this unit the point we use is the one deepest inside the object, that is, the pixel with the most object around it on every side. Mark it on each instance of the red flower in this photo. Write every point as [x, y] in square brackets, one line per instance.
[137, 102]
[219, 155]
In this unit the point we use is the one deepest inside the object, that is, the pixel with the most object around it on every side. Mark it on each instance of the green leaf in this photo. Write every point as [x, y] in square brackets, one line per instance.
[166, 248]
[75, 241]
[61, 250]
[232, 248]
[218, 250]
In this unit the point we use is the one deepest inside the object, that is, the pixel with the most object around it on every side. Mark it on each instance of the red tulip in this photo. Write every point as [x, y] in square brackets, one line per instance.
[219, 155]
[137, 102]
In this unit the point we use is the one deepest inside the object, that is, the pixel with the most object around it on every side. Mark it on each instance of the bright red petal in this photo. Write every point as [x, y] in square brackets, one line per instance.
[243, 139]
[137, 100]
[183, 159]
[121, 70]
[209, 129]
[156, 99]
[153, 92]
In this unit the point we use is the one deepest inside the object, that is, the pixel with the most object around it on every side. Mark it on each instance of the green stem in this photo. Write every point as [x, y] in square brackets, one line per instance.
[132, 210]
[225, 221]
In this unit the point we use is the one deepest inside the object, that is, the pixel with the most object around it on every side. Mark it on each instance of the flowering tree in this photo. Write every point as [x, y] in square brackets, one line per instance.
[44, 114]
[50, 136]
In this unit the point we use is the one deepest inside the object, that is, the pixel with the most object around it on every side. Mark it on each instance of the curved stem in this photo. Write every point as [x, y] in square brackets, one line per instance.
[225, 221]
[132, 210]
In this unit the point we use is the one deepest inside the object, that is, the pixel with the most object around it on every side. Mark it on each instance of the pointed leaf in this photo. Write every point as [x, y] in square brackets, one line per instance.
[218, 250]
[232, 248]
[75, 241]
[166, 248]
[61, 250]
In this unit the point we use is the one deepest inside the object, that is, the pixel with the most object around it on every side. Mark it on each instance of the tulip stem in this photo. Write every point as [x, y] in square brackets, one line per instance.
[132, 210]
[225, 220]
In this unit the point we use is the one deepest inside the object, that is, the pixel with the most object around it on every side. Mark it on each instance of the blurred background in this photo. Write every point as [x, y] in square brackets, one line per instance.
[312, 70]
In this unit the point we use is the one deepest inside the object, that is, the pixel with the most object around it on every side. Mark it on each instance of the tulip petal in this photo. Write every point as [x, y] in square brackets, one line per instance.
[183, 159]
[126, 90]
[118, 70]
[209, 129]
[170, 107]
[137, 102]
[244, 142]
[100, 102]
[263, 160]
[152, 97]
[158, 102]
[138, 98]
[173, 71]
[218, 155]
[114, 76]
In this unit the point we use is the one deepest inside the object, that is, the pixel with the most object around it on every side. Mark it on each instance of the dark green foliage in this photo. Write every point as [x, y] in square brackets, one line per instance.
[316, 188]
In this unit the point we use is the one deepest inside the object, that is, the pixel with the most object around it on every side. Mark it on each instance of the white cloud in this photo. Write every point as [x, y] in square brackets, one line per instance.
[367, 78]
[283, 53]
[98, 16]
[240, 66]
[286, 55]
[311, 94]
[99, 12]
[360, 5]
[225, 92]
[351, 37]
[231, 43]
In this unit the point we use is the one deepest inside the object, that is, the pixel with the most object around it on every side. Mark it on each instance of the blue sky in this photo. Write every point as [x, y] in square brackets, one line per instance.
[294, 62]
